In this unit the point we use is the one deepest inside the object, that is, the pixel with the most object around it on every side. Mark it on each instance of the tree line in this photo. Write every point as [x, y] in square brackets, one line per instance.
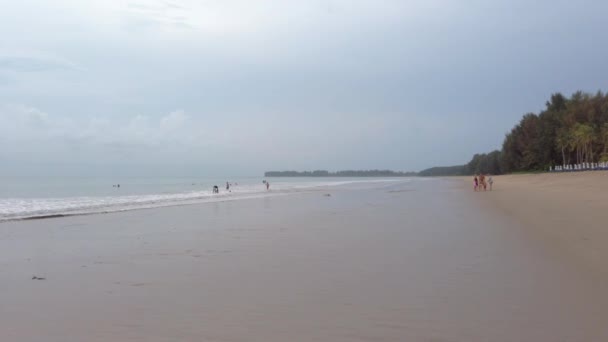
[345, 173]
[568, 131]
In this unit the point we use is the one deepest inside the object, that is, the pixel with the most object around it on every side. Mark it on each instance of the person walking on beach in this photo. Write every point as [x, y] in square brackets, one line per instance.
[475, 183]
[482, 182]
[490, 181]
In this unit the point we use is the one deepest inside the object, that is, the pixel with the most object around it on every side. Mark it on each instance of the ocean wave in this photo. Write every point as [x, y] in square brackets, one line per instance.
[28, 208]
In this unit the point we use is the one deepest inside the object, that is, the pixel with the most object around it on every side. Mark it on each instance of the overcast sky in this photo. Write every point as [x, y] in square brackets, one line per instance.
[243, 86]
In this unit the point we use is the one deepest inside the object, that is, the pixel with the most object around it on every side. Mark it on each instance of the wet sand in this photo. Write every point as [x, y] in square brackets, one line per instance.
[419, 261]
[569, 211]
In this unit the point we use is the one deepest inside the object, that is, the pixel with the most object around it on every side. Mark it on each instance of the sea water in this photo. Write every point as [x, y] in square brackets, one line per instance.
[29, 197]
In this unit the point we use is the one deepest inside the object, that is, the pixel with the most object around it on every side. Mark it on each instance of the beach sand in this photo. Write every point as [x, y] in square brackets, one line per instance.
[426, 260]
[567, 210]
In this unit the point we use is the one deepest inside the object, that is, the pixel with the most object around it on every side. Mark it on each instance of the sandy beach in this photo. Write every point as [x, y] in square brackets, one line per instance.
[425, 260]
[566, 210]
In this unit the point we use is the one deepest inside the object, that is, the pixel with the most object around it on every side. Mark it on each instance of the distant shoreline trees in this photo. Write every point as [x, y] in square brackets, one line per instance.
[568, 131]
[346, 173]
[437, 171]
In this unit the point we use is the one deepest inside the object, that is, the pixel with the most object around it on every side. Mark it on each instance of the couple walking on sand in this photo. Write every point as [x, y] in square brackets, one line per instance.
[480, 182]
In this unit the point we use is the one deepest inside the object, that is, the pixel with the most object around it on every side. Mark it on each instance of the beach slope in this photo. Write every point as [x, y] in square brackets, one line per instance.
[568, 210]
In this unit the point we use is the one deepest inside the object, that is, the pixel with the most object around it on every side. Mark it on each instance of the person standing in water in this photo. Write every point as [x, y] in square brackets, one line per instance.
[267, 185]
[227, 186]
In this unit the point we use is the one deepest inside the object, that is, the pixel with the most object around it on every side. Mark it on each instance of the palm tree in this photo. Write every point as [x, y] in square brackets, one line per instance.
[588, 139]
[583, 140]
[564, 142]
[604, 140]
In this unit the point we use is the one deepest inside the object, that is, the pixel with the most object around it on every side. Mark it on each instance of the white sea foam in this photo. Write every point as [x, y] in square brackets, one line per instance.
[22, 208]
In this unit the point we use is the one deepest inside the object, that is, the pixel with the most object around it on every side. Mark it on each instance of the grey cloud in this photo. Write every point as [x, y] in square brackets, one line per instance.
[173, 5]
[305, 84]
[34, 64]
[138, 6]
[156, 14]
[6, 80]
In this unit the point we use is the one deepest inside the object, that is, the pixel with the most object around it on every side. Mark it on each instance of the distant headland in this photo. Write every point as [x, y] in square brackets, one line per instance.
[345, 173]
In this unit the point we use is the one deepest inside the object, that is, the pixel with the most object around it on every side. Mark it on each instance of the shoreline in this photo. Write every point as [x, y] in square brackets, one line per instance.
[220, 199]
[14, 209]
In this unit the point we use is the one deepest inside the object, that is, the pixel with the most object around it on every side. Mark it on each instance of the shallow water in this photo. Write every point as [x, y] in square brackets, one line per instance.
[31, 197]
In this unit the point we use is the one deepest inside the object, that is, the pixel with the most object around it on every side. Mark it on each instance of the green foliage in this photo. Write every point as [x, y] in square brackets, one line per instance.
[569, 130]
[603, 139]
[347, 173]
[489, 163]
[485, 163]
[458, 170]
